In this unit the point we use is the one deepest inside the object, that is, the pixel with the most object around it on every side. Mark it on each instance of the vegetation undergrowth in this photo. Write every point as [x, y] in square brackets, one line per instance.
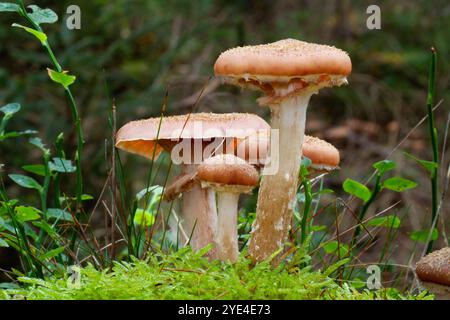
[188, 275]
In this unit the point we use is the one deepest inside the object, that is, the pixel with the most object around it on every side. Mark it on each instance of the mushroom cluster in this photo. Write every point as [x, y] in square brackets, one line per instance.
[229, 152]
[288, 72]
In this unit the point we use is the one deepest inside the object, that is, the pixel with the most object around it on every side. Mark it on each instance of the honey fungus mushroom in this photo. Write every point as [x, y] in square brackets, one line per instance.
[190, 139]
[433, 270]
[323, 155]
[228, 176]
[288, 72]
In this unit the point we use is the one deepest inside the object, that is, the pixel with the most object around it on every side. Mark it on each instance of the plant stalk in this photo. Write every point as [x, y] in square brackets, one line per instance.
[434, 144]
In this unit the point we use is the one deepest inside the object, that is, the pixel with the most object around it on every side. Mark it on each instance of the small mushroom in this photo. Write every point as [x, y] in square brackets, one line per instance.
[229, 176]
[323, 155]
[288, 72]
[201, 134]
[434, 272]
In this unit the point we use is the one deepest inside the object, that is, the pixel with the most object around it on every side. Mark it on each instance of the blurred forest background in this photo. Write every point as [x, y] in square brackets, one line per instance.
[133, 51]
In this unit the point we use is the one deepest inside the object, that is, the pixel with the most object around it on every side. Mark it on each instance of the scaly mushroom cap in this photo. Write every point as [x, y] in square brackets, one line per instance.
[226, 172]
[269, 67]
[143, 136]
[435, 267]
[323, 155]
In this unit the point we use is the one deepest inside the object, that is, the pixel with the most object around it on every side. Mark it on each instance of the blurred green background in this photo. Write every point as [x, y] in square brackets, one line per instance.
[133, 51]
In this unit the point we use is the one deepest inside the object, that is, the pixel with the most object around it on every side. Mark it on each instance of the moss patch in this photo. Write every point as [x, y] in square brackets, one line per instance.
[185, 275]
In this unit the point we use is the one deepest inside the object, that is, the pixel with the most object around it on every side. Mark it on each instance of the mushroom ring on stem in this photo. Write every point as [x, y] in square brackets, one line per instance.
[229, 176]
[190, 139]
[288, 72]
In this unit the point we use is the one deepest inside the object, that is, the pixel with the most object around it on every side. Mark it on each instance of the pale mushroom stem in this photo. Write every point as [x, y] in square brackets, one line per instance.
[227, 235]
[199, 214]
[276, 199]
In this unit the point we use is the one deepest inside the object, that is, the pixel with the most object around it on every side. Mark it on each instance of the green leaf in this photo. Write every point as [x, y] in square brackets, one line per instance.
[399, 184]
[24, 214]
[86, 197]
[384, 166]
[25, 181]
[52, 253]
[10, 109]
[422, 235]
[59, 214]
[7, 226]
[333, 246]
[46, 227]
[152, 189]
[323, 191]
[318, 228]
[357, 283]
[306, 162]
[357, 189]
[62, 165]
[144, 218]
[430, 166]
[387, 221]
[9, 286]
[42, 37]
[29, 231]
[63, 78]
[37, 142]
[9, 7]
[15, 134]
[3, 243]
[42, 15]
[38, 169]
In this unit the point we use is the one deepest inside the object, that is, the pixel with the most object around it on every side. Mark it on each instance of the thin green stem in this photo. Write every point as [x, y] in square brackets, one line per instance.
[434, 144]
[306, 208]
[364, 209]
[73, 106]
[43, 195]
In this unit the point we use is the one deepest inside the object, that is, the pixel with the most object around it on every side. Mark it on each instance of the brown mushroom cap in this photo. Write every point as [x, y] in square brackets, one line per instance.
[323, 155]
[228, 170]
[142, 136]
[284, 58]
[435, 267]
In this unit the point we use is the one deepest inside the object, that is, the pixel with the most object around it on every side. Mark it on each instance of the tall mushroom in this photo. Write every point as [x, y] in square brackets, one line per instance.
[190, 139]
[229, 176]
[288, 72]
[434, 272]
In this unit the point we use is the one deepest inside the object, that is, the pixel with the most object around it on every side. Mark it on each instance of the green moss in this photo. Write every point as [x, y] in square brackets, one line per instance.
[185, 275]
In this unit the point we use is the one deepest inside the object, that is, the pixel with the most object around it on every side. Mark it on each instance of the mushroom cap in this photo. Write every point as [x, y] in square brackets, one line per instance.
[287, 59]
[154, 135]
[227, 172]
[323, 155]
[435, 267]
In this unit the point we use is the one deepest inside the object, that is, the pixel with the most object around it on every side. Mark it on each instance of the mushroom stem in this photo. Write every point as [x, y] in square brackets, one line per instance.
[276, 199]
[199, 214]
[227, 235]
